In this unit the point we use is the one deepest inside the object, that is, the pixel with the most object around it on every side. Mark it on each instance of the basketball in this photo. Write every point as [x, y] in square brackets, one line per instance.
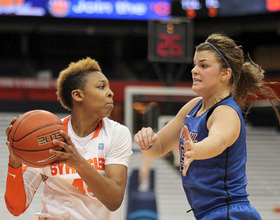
[31, 137]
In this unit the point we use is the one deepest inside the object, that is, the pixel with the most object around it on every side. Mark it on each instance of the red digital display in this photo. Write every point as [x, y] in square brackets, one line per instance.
[170, 40]
[170, 45]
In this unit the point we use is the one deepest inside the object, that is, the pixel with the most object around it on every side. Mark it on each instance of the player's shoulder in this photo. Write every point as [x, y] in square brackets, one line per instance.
[114, 125]
[65, 118]
[107, 121]
[194, 101]
[190, 105]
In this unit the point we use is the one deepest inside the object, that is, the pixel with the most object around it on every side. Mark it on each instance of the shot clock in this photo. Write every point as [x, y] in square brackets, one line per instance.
[170, 40]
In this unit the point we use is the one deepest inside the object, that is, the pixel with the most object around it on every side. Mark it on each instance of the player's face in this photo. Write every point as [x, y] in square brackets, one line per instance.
[97, 95]
[206, 73]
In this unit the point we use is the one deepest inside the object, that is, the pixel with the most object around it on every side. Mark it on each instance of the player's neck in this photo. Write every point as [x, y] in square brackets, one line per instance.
[83, 126]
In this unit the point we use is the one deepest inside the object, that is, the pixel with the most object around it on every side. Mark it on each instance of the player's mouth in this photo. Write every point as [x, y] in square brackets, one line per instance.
[196, 80]
[110, 103]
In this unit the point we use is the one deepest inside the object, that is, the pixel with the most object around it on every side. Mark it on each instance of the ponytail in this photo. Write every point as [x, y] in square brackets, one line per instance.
[248, 76]
[251, 85]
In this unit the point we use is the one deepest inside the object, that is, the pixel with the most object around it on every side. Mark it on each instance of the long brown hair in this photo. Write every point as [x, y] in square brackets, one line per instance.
[248, 76]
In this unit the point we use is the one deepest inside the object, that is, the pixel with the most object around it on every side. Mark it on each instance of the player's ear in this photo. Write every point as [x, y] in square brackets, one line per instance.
[77, 95]
[226, 74]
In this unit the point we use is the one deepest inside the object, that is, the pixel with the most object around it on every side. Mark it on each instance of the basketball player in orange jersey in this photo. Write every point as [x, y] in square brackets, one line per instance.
[89, 180]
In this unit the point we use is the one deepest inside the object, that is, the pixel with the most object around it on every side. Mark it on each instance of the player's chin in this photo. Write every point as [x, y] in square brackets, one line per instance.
[110, 105]
[196, 89]
[107, 112]
[195, 86]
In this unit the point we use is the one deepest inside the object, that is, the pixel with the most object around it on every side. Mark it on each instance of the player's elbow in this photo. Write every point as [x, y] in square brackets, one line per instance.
[114, 204]
[16, 208]
[16, 211]
[113, 207]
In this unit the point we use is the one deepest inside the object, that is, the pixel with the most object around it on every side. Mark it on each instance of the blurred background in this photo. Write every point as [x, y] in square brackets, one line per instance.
[145, 49]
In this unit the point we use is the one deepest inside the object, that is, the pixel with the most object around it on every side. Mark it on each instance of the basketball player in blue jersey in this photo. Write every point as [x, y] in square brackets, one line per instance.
[210, 131]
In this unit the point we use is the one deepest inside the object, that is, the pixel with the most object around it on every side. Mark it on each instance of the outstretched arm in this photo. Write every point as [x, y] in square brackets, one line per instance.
[224, 128]
[155, 145]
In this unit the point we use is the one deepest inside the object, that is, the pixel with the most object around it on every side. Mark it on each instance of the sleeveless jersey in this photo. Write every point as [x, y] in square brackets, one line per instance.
[218, 181]
[65, 195]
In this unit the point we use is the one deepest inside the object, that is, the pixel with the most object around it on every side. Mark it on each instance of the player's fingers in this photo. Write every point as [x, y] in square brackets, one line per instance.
[58, 152]
[8, 130]
[9, 146]
[187, 162]
[144, 138]
[64, 156]
[185, 167]
[154, 138]
[146, 133]
[57, 162]
[65, 147]
[10, 126]
[66, 137]
[186, 132]
[138, 138]
[188, 145]
[150, 135]
[13, 120]
[54, 163]
[188, 154]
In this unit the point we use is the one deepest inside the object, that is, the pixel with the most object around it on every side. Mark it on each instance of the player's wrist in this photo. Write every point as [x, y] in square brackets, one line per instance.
[14, 163]
[148, 147]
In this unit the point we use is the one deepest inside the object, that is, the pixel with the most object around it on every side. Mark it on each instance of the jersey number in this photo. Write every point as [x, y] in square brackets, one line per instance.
[79, 184]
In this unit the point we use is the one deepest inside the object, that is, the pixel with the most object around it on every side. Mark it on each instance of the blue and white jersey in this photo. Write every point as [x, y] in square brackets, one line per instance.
[220, 180]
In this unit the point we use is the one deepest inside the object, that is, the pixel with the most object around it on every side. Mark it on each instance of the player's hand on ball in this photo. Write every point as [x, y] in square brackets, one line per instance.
[13, 160]
[9, 128]
[145, 138]
[69, 155]
[189, 150]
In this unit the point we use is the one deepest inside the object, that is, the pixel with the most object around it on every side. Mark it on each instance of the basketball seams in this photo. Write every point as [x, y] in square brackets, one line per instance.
[39, 163]
[28, 163]
[36, 130]
[37, 150]
[27, 116]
